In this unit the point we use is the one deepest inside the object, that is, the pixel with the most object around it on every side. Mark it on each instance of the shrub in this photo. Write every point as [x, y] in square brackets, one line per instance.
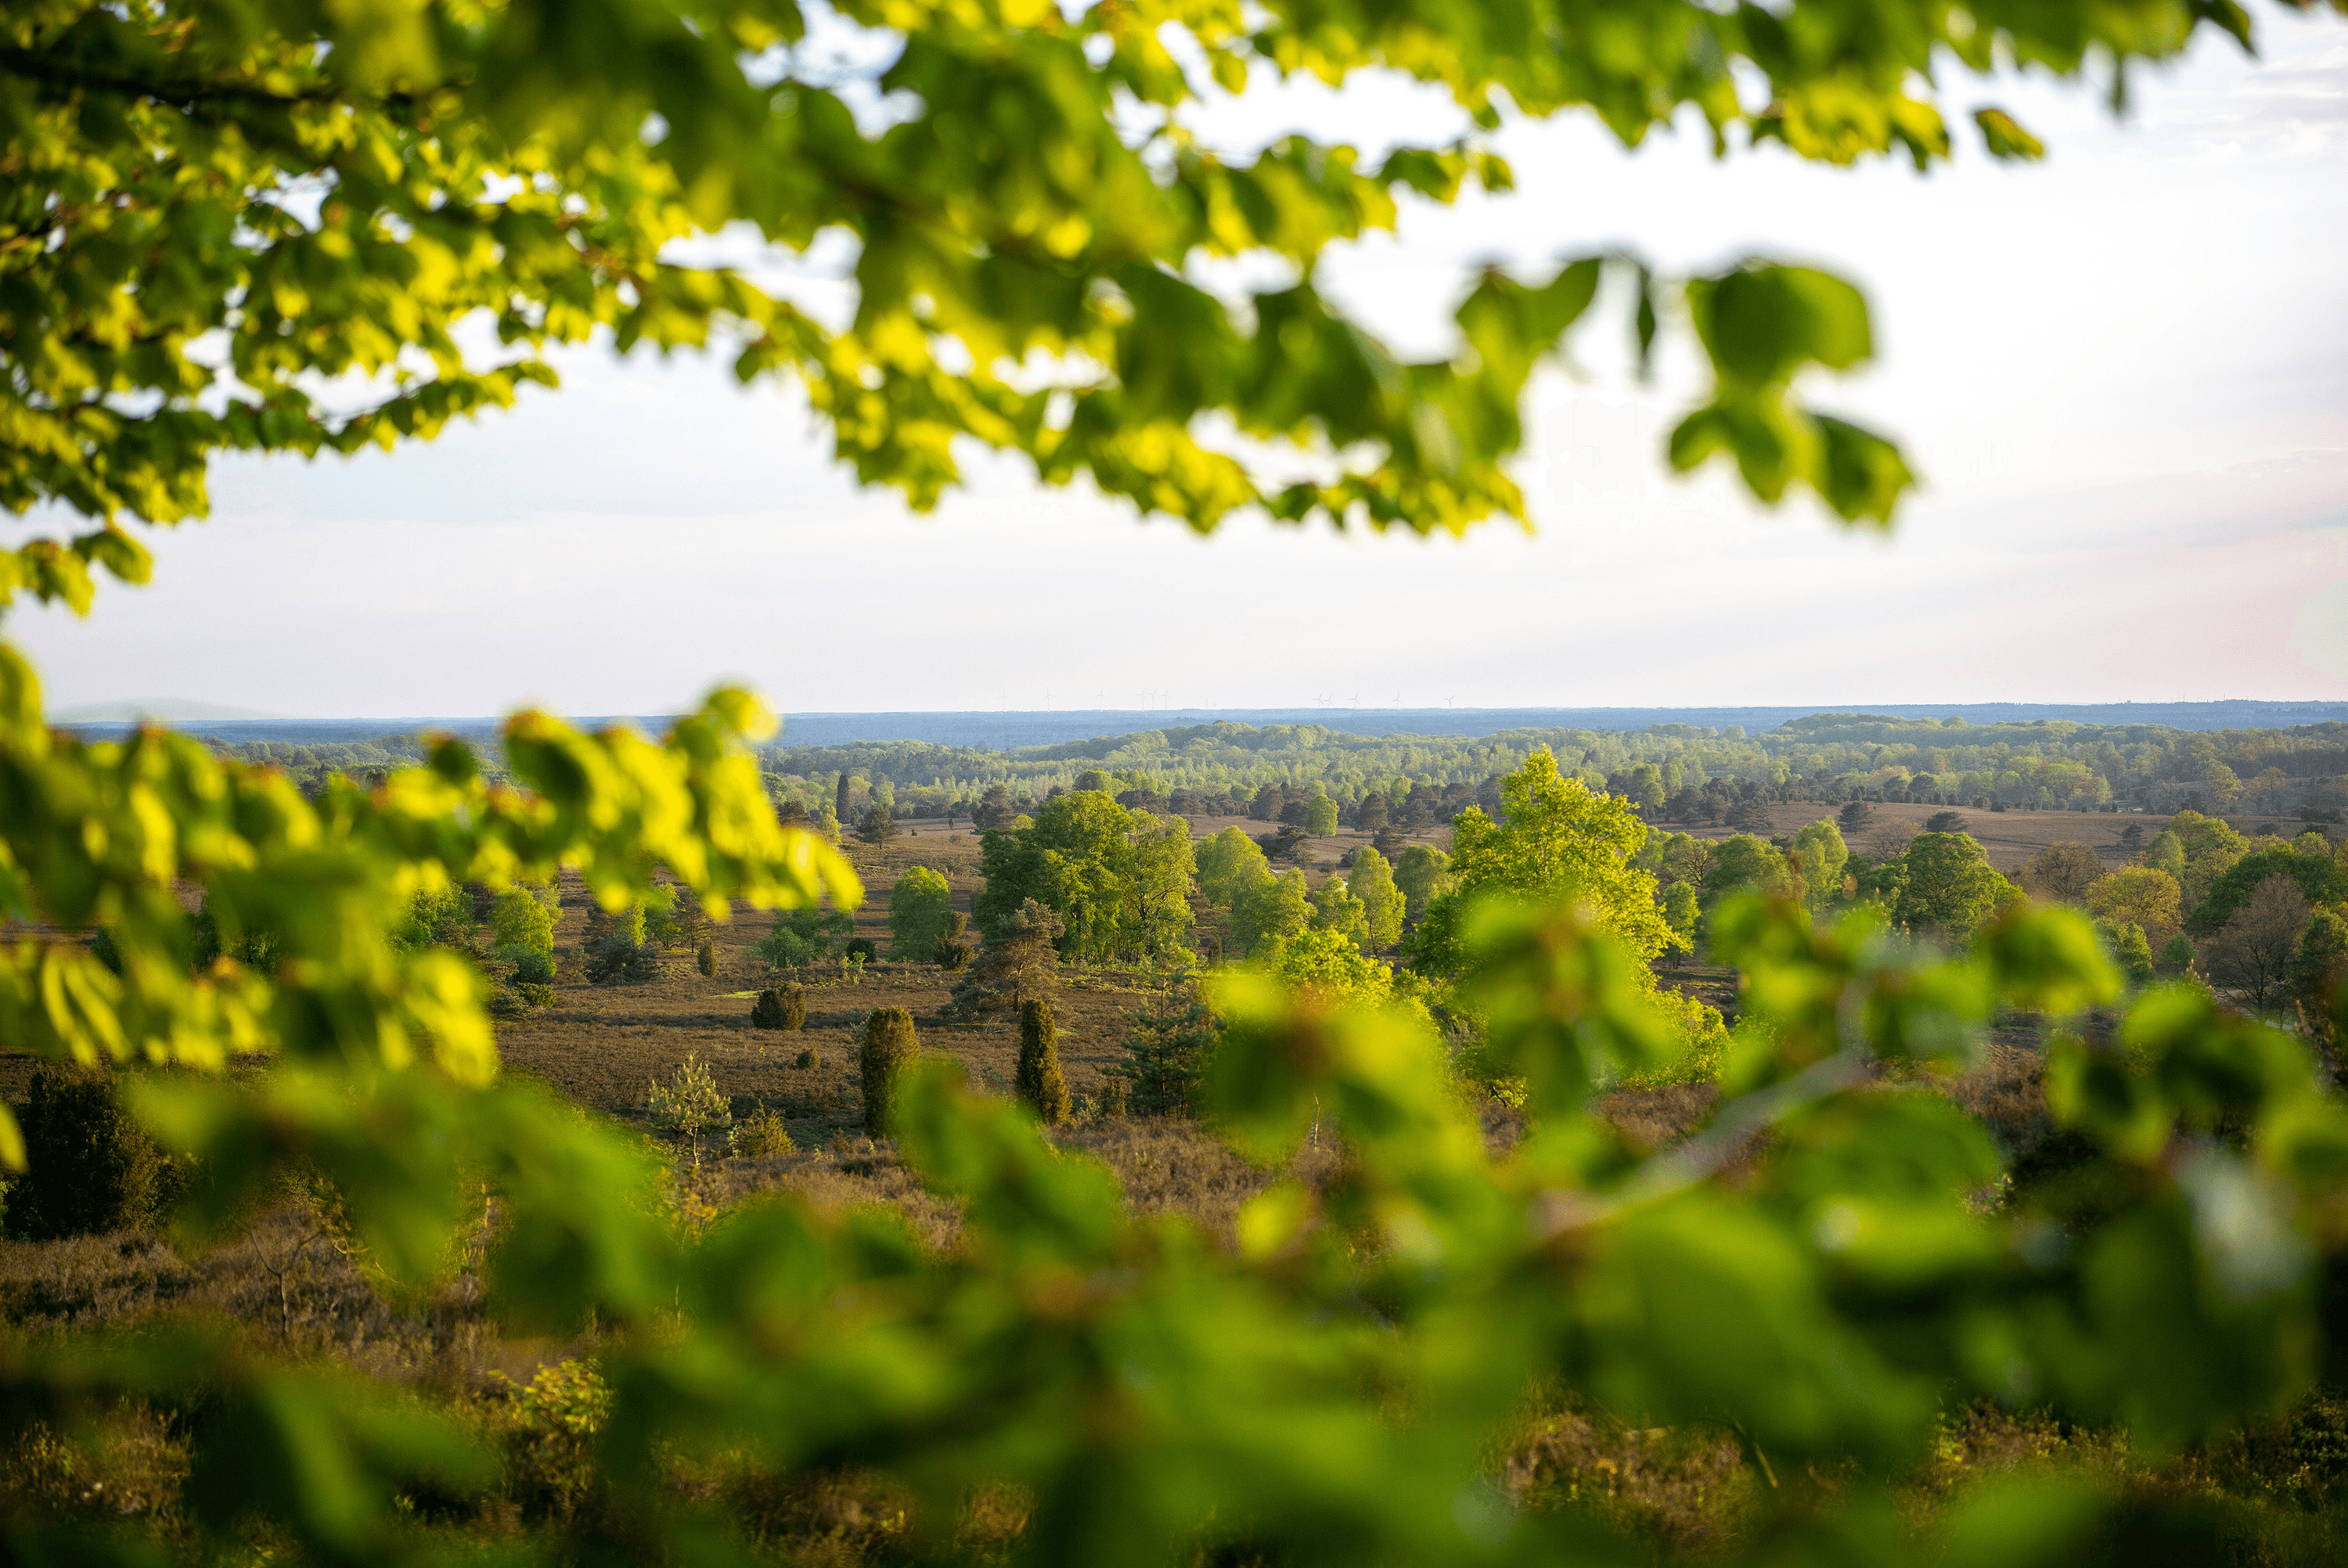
[91, 1168]
[551, 1444]
[862, 949]
[803, 936]
[1112, 1100]
[890, 1046]
[531, 966]
[955, 944]
[705, 958]
[760, 1136]
[1040, 1082]
[619, 962]
[779, 1007]
[2176, 954]
[809, 1058]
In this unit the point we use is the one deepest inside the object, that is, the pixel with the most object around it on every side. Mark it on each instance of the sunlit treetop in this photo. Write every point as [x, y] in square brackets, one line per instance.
[272, 225]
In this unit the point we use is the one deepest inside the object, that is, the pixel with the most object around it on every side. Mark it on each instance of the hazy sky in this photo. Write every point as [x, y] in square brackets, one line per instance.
[2123, 372]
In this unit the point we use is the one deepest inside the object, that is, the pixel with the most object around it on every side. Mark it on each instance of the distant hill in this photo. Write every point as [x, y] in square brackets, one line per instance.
[168, 709]
[1092, 732]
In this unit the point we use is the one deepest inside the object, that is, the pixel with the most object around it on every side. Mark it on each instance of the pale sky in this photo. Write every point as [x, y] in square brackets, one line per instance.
[2123, 374]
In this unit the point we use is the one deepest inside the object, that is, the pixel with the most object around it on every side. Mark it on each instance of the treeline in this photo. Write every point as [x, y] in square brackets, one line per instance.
[2261, 918]
[1680, 772]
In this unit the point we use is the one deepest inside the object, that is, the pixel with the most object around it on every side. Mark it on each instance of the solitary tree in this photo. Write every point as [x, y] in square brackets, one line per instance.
[920, 908]
[1040, 1082]
[877, 825]
[839, 798]
[888, 1047]
[1320, 816]
[1855, 817]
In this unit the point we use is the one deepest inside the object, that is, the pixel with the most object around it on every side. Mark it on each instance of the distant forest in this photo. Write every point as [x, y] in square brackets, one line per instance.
[1675, 771]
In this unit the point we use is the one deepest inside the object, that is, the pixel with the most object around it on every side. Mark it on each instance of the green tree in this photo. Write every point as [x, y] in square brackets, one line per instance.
[1040, 1082]
[1270, 914]
[2129, 948]
[801, 938]
[2141, 895]
[1019, 962]
[1948, 886]
[1330, 968]
[1373, 882]
[1822, 856]
[1680, 910]
[1229, 863]
[1743, 863]
[2210, 848]
[919, 909]
[1092, 779]
[2320, 882]
[2319, 968]
[2166, 852]
[1424, 874]
[1166, 1052]
[1559, 841]
[1119, 880]
[518, 919]
[1336, 908]
[1320, 816]
[877, 825]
